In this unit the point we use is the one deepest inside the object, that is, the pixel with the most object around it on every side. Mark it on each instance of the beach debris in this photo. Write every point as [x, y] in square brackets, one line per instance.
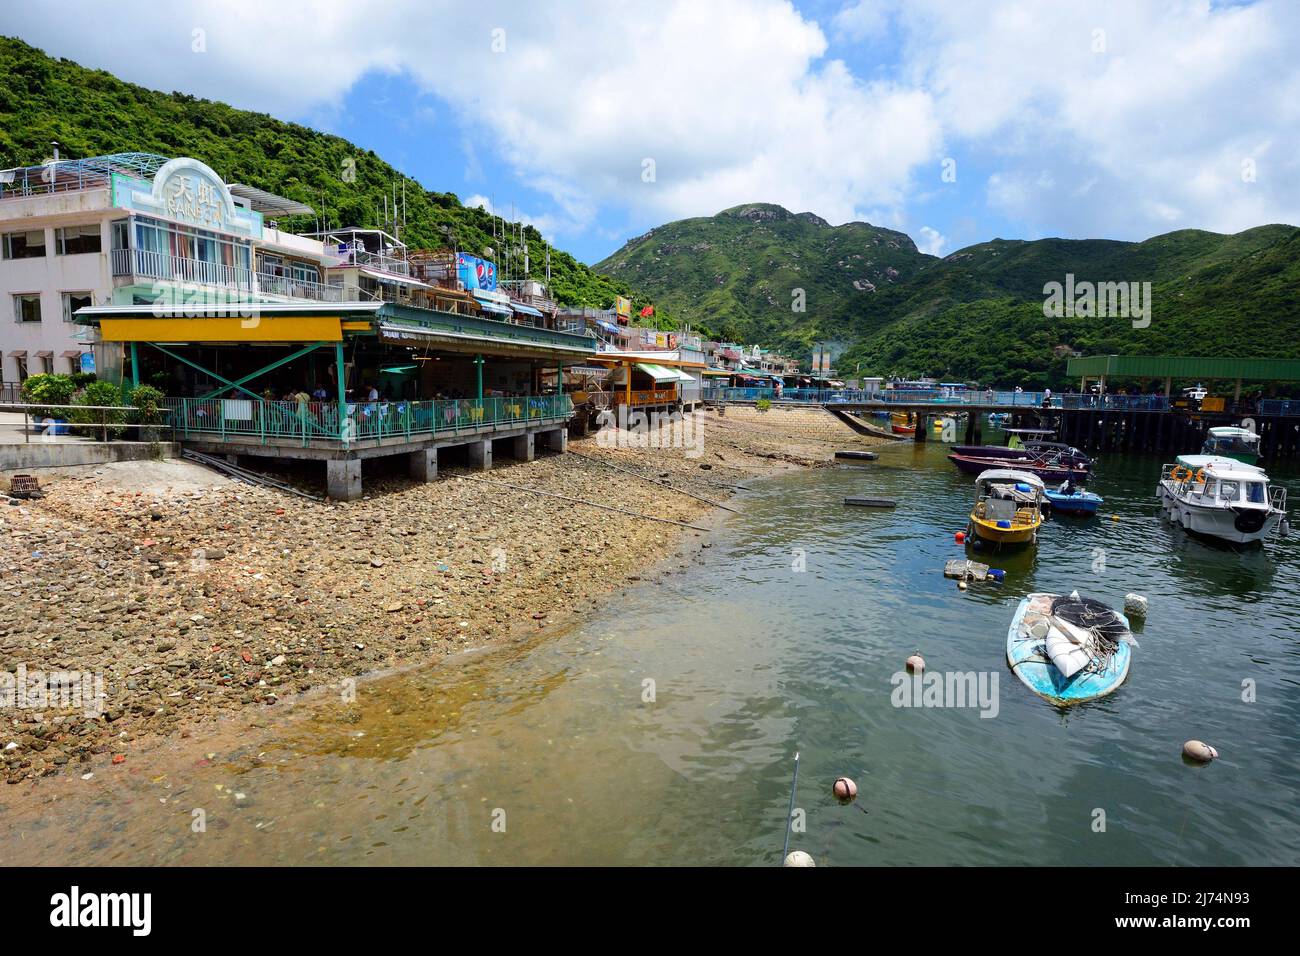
[798, 858]
[1135, 605]
[845, 790]
[915, 664]
[25, 486]
[864, 502]
[1199, 751]
[965, 570]
[857, 455]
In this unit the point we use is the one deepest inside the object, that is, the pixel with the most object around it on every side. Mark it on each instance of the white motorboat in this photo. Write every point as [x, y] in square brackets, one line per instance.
[1222, 498]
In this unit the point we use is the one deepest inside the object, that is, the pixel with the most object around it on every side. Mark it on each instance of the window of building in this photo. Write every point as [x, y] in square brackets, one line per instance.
[168, 251]
[27, 308]
[46, 363]
[302, 272]
[72, 301]
[271, 266]
[122, 234]
[20, 366]
[75, 240]
[24, 245]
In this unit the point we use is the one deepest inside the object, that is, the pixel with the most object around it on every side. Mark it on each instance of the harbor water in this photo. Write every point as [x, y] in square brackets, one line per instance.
[662, 728]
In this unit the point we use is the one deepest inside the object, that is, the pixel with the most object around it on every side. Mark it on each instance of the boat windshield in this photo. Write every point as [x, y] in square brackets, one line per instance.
[1255, 492]
[1229, 491]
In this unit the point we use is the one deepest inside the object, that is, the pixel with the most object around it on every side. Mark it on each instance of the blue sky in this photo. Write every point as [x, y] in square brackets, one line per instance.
[1105, 119]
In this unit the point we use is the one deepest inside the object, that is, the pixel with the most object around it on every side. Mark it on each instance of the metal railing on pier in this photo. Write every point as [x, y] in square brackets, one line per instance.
[282, 422]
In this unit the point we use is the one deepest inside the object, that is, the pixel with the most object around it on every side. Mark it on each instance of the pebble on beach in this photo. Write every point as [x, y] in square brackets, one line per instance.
[241, 597]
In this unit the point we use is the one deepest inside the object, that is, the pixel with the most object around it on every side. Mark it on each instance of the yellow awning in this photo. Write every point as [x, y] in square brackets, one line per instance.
[264, 328]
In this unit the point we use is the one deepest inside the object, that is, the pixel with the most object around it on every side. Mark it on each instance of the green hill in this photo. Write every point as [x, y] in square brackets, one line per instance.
[91, 112]
[736, 273]
[976, 314]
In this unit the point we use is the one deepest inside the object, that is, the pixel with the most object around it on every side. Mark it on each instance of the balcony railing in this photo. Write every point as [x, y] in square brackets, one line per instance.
[279, 423]
[162, 265]
[299, 288]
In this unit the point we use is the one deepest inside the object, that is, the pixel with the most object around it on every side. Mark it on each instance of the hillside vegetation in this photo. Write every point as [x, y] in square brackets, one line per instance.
[92, 113]
[976, 314]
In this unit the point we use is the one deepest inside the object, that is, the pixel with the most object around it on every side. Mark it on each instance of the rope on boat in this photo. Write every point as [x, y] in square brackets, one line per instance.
[582, 501]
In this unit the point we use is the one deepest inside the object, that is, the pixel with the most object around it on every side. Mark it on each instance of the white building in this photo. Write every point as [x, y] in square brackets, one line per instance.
[134, 228]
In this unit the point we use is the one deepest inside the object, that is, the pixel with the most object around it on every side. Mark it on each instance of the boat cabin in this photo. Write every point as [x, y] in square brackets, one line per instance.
[1241, 444]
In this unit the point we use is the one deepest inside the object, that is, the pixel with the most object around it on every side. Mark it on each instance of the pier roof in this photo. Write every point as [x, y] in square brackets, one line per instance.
[1180, 366]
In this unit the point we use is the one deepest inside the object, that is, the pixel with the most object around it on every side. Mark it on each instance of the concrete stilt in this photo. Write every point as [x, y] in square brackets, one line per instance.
[523, 447]
[343, 478]
[424, 464]
[557, 439]
[480, 454]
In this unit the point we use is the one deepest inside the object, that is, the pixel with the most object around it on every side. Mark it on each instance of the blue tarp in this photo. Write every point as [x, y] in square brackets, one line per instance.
[525, 309]
[490, 306]
[607, 326]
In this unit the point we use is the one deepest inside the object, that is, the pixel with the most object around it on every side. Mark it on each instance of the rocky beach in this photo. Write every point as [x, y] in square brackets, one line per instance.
[196, 598]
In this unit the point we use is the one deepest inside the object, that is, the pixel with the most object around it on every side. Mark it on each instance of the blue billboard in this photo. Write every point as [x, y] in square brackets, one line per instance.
[475, 273]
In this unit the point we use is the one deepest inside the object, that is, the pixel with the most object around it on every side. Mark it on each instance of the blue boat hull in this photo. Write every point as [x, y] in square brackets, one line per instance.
[1079, 503]
[1028, 659]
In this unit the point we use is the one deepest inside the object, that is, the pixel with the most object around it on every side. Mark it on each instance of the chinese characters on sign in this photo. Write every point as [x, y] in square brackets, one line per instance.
[195, 199]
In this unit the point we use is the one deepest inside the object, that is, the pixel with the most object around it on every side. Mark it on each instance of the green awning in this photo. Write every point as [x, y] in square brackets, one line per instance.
[657, 372]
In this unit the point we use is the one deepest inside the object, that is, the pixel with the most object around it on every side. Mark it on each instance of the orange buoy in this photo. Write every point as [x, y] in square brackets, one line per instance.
[960, 537]
[1199, 751]
[845, 790]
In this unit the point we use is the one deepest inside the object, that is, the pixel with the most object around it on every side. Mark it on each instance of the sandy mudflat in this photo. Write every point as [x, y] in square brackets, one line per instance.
[196, 598]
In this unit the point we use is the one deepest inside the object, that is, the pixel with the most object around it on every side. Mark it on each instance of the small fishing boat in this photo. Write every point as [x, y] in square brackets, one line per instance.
[1028, 443]
[1222, 498]
[1076, 501]
[1008, 509]
[1069, 649]
[1229, 441]
[1046, 469]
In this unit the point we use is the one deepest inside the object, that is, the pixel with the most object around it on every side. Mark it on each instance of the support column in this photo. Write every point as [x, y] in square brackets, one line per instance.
[1236, 392]
[343, 478]
[557, 439]
[135, 367]
[523, 447]
[424, 464]
[1169, 384]
[480, 454]
[341, 388]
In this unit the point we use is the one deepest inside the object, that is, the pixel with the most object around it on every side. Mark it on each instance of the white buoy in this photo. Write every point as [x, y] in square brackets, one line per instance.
[845, 790]
[1135, 605]
[1199, 751]
[798, 858]
[915, 664]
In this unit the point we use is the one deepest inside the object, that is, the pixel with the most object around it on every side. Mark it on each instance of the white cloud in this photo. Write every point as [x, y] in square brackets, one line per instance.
[737, 101]
[733, 99]
[1147, 133]
[864, 20]
[932, 241]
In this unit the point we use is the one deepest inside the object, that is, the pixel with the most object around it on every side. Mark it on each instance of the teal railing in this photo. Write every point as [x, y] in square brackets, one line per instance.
[304, 422]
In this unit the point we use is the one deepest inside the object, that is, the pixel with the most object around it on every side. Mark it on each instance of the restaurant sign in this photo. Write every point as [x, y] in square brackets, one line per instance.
[188, 192]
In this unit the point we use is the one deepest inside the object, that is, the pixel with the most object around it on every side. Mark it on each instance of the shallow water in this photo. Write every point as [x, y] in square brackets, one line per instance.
[556, 751]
